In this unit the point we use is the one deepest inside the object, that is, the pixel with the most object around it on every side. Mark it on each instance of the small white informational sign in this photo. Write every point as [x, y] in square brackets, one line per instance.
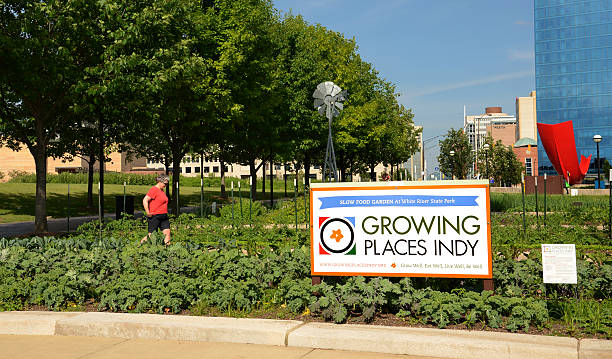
[559, 263]
[403, 229]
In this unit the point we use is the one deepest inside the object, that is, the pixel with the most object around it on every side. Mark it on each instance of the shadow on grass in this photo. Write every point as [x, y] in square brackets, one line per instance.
[17, 203]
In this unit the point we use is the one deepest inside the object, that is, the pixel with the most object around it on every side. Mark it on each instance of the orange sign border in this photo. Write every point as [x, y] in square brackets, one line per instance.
[436, 275]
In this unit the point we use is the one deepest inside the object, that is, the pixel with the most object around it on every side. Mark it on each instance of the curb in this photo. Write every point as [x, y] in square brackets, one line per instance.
[427, 342]
[441, 343]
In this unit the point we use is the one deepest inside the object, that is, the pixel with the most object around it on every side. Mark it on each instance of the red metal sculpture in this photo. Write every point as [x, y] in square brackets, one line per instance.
[560, 145]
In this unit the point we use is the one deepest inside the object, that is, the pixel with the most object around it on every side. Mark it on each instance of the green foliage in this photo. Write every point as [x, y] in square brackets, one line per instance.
[591, 316]
[499, 162]
[216, 266]
[460, 163]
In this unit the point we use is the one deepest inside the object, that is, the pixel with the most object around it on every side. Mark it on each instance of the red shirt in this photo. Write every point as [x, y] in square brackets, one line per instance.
[159, 202]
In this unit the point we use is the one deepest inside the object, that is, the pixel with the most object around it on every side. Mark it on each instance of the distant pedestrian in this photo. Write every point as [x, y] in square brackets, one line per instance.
[155, 204]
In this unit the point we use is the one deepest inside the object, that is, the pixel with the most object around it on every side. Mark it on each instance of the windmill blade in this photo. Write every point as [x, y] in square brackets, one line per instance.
[342, 95]
[339, 105]
[329, 87]
[320, 92]
[335, 90]
[322, 110]
[318, 102]
[335, 112]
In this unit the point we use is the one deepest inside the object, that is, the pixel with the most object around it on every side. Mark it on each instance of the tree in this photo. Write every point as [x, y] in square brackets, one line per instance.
[402, 137]
[459, 164]
[500, 163]
[45, 48]
[244, 62]
[158, 69]
[309, 55]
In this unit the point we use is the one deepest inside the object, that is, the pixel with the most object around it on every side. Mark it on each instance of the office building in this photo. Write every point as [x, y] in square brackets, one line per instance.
[493, 122]
[415, 166]
[476, 127]
[526, 117]
[573, 67]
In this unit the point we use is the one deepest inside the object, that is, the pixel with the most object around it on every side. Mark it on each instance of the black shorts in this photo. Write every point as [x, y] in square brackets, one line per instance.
[158, 221]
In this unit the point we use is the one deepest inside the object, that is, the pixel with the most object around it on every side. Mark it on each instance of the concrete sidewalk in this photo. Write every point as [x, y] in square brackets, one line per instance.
[59, 347]
[287, 338]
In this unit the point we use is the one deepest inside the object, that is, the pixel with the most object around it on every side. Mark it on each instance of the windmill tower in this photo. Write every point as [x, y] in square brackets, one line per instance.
[328, 101]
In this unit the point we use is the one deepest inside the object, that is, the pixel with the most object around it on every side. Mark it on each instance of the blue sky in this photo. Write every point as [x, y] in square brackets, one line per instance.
[441, 54]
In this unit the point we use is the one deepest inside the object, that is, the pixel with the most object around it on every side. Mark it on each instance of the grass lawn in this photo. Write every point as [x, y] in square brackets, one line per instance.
[17, 199]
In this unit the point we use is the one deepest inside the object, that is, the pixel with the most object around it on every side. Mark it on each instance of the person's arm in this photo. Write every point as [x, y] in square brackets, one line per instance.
[145, 204]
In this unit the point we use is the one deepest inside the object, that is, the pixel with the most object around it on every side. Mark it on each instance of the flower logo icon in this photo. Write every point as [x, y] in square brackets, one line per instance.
[337, 236]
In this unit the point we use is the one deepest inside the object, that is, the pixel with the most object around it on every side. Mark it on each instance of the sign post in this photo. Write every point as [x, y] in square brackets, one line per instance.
[401, 229]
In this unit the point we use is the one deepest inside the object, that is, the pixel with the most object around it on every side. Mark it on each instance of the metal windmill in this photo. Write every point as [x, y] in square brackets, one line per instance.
[328, 101]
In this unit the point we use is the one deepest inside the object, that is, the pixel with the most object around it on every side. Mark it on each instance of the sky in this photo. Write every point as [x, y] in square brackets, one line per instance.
[442, 55]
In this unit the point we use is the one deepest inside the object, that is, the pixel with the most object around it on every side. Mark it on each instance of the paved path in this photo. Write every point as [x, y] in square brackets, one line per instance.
[60, 347]
[8, 230]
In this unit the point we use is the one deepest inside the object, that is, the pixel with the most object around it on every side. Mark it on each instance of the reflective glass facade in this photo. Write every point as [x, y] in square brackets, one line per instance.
[573, 63]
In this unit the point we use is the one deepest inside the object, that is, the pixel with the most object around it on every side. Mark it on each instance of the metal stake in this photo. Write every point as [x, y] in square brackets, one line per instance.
[536, 200]
[250, 198]
[295, 202]
[545, 206]
[305, 205]
[124, 210]
[240, 195]
[202, 185]
[100, 210]
[232, 203]
[523, 193]
[68, 218]
[178, 209]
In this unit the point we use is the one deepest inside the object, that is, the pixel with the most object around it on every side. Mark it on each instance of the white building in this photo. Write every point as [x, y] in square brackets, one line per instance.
[475, 127]
[191, 166]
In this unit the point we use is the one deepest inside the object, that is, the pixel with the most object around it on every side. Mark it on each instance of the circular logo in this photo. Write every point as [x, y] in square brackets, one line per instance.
[337, 235]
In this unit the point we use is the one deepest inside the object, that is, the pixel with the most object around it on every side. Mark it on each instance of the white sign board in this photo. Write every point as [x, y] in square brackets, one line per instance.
[559, 263]
[404, 229]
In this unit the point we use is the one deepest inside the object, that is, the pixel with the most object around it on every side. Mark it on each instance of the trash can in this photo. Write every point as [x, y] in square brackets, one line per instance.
[129, 206]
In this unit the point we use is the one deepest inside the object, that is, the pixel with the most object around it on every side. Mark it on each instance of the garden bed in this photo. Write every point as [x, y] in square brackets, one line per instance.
[261, 268]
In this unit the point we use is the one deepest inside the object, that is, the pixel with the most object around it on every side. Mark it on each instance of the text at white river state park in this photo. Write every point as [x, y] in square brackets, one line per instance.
[403, 229]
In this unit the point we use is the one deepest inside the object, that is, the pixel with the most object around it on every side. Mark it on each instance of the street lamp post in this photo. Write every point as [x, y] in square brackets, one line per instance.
[486, 149]
[597, 139]
[452, 154]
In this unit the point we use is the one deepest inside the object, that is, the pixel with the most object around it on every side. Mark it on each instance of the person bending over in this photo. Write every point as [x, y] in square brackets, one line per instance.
[155, 204]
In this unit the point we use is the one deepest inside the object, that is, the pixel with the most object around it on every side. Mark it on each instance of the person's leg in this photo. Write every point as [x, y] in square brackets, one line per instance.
[152, 225]
[167, 234]
[144, 239]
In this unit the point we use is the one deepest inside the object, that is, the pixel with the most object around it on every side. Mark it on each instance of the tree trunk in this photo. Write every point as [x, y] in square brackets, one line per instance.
[90, 179]
[40, 209]
[167, 168]
[372, 173]
[392, 173]
[307, 170]
[222, 164]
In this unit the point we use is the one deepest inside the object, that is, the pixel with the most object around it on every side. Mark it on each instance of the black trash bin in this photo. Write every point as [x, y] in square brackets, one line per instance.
[129, 206]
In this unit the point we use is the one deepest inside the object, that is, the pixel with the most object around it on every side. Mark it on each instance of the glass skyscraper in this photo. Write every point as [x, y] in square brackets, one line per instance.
[573, 66]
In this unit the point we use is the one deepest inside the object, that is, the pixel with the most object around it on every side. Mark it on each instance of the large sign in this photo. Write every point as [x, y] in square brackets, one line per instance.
[411, 229]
